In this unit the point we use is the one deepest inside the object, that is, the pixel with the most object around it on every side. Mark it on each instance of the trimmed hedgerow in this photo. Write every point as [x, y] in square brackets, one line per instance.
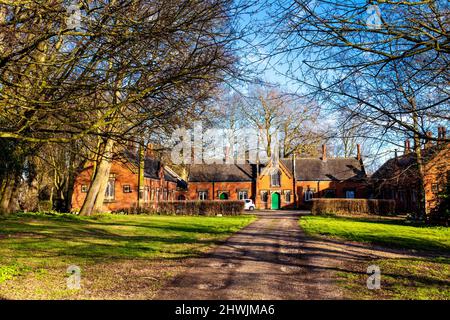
[190, 208]
[353, 206]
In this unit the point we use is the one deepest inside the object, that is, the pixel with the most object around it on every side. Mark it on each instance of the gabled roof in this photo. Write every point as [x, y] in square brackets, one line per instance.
[313, 169]
[265, 168]
[151, 167]
[221, 173]
[333, 169]
[403, 168]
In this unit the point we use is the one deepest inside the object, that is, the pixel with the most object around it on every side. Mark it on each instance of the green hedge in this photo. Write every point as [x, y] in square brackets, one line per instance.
[190, 208]
[353, 206]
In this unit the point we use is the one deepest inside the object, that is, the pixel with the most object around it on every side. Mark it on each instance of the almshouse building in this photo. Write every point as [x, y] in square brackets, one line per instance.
[289, 183]
[124, 189]
[399, 179]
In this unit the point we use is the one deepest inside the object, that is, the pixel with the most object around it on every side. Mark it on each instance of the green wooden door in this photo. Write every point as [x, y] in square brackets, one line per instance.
[275, 201]
[223, 196]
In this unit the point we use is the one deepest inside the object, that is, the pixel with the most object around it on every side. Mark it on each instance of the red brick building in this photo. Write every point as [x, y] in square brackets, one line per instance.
[398, 178]
[124, 189]
[291, 183]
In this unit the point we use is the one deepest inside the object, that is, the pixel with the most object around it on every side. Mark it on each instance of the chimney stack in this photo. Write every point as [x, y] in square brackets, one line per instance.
[358, 152]
[428, 142]
[324, 152]
[443, 133]
[149, 151]
[226, 151]
[131, 147]
[407, 147]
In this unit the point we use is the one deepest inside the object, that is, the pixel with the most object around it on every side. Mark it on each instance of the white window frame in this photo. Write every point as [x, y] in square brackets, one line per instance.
[203, 195]
[127, 188]
[278, 175]
[152, 194]
[267, 195]
[110, 191]
[286, 193]
[241, 194]
[309, 195]
[354, 194]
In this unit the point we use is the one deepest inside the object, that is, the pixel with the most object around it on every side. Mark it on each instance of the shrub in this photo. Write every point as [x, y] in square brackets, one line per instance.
[44, 205]
[207, 208]
[353, 206]
[189, 208]
[441, 214]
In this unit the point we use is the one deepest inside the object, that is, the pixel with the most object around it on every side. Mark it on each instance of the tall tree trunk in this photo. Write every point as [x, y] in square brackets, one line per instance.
[8, 202]
[69, 191]
[14, 199]
[141, 181]
[7, 191]
[70, 180]
[96, 193]
[421, 210]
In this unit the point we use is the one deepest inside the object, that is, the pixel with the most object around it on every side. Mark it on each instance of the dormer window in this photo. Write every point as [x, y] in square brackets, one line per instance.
[275, 179]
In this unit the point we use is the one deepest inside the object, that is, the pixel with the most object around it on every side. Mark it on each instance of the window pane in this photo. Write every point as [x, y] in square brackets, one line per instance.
[275, 179]
[109, 193]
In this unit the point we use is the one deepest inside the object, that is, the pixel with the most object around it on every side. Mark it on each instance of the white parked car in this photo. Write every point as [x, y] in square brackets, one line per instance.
[249, 205]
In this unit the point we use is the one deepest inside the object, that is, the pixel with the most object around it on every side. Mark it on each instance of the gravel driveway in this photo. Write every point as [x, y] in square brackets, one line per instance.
[270, 259]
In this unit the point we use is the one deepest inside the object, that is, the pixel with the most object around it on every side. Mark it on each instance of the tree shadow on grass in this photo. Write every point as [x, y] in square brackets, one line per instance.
[382, 220]
[85, 243]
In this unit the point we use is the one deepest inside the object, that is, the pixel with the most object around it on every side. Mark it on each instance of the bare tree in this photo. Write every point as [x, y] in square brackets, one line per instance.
[385, 63]
[131, 67]
[294, 121]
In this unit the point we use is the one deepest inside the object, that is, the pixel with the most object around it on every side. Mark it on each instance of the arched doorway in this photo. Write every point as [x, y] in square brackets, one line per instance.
[275, 201]
[223, 196]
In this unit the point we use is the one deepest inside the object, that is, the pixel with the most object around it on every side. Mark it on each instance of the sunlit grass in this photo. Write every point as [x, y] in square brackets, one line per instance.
[35, 244]
[392, 233]
[410, 278]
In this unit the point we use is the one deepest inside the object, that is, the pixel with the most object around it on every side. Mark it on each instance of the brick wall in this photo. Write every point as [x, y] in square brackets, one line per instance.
[214, 189]
[336, 189]
[286, 185]
[125, 188]
[435, 177]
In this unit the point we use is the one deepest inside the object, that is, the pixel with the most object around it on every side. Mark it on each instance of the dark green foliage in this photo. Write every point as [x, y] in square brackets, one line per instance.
[443, 211]
[191, 208]
[353, 206]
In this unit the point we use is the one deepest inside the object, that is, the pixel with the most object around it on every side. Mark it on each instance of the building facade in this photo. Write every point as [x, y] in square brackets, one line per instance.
[288, 183]
[126, 188]
[398, 178]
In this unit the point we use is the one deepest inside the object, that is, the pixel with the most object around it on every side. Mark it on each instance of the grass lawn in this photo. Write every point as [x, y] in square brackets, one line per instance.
[120, 256]
[403, 279]
[425, 277]
[387, 232]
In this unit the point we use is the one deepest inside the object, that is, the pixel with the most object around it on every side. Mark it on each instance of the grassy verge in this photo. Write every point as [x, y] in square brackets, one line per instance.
[406, 278]
[418, 279]
[387, 232]
[117, 254]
